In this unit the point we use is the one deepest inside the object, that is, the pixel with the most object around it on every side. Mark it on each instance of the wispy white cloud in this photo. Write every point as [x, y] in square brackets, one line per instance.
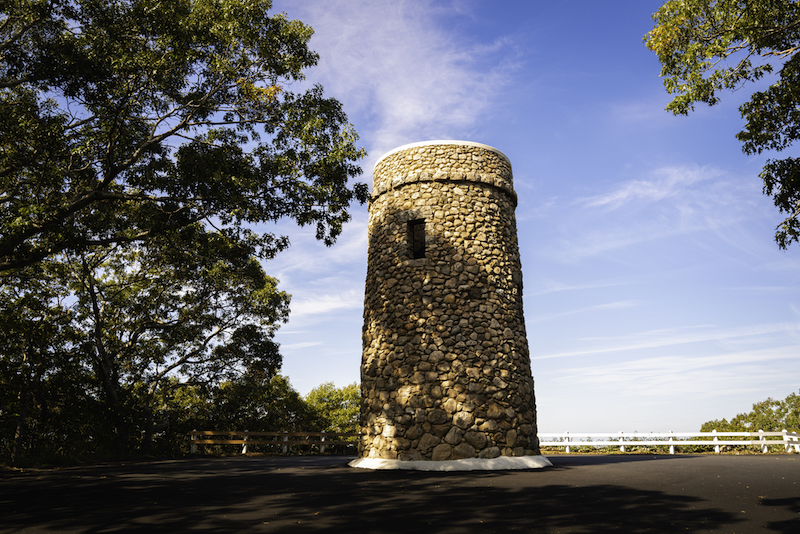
[664, 183]
[327, 303]
[588, 309]
[308, 265]
[674, 336]
[393, 63]
[646, 112]
[297, 346]
[698, 375]
[553, 286]
[664, 203]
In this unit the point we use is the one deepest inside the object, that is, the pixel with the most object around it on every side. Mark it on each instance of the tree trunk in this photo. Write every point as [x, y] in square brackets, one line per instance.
[105, 367]
[22, 422]
[25, 396]
[148, 431]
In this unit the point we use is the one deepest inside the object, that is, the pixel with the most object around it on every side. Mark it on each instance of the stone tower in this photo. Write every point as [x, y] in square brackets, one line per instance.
[445, 373]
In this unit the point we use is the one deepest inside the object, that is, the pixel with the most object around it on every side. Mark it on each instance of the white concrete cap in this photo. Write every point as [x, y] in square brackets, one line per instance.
[443, 142]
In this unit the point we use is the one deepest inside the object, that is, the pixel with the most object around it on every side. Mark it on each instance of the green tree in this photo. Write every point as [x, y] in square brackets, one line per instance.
[128, 326]
[48, 403]
[121, 120]
[769, 415]
[260, 404]
[141, 142]
[708, 46]
[250, 401]
[32, 336]
[337, 409]
[205, 313]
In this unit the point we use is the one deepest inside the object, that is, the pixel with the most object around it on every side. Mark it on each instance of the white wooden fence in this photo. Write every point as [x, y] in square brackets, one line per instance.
[622, 440]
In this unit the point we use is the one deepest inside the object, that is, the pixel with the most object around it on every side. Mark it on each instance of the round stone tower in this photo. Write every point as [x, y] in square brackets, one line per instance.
[445, 373]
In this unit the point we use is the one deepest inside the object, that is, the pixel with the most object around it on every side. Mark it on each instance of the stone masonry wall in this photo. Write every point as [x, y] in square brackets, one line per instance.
[445, 370]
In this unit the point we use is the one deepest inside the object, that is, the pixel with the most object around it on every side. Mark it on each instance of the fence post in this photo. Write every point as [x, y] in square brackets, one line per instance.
[716, 440]
[621, 447]
[322, 447]
[793, 437]
[286, 446]
[566, 438]
[763, 440]
[244, 445]
[194, 445]
[671, 447]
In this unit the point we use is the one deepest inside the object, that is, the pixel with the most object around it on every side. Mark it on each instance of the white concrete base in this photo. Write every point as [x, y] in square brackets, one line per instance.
[468, 464]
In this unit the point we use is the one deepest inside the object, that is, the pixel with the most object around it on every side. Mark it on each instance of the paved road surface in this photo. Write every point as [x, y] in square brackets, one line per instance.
[580, 493]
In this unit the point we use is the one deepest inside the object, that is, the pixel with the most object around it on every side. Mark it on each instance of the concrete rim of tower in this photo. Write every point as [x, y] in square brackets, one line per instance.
[442, 142]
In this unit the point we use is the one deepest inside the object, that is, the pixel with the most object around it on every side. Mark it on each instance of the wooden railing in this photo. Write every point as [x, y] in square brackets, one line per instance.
[624, 440]
[282, 441]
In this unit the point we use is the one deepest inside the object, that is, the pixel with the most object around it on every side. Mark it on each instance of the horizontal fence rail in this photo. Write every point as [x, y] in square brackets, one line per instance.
[569, 440]
[282, 440]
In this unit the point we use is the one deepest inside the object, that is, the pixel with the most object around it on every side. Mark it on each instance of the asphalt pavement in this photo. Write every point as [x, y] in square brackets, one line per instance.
[580, 493]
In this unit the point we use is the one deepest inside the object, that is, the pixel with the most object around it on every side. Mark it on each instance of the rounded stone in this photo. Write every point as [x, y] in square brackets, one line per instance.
[441, 452]
[453, 437]
[476, 439]
[463, 420]
[491, 452]
[427, 441]
[436, 417]
[463, 450]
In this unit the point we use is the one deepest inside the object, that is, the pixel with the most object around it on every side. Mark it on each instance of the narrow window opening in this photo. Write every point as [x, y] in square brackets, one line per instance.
[416, 238]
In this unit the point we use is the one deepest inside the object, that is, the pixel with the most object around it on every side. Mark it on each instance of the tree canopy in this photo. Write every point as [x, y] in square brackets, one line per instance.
[769, 415]
[709, 46]
[143, 146]
[337, 409]
[144, 314]
[125, 119]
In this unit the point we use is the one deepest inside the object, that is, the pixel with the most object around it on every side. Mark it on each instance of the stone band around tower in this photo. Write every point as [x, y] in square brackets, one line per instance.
[443, 161]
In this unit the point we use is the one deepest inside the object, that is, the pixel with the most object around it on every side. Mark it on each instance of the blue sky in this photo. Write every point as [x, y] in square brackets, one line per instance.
[655, 297]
